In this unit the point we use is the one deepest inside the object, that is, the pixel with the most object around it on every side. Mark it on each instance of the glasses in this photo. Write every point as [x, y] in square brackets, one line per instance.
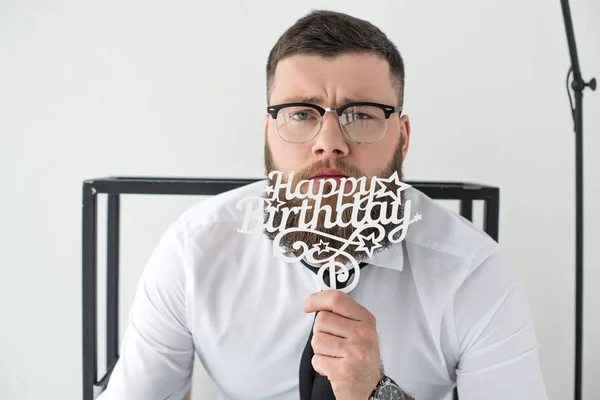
[362, 122]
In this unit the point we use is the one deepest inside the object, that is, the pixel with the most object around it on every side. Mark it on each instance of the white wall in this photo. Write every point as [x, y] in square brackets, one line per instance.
[91, 89]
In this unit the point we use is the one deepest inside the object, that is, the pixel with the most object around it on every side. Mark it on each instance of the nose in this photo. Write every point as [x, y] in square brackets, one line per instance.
[331, 140]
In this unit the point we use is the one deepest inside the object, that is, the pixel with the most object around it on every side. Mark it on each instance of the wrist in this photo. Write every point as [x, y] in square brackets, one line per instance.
[387, 389]
[380, 378]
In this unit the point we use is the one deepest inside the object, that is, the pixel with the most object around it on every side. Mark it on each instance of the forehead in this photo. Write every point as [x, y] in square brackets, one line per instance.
[357, 77]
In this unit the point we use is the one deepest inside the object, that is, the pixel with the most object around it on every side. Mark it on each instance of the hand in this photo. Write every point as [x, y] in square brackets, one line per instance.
[345, 344]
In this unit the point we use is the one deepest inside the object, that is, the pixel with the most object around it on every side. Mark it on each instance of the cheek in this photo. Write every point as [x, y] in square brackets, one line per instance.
[374, 162]
[376, 158]
[287, 157]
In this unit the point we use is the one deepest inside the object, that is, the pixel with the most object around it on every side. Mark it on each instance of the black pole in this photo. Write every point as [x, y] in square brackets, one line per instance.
[88, 274]
[112, 279]
[578, 85]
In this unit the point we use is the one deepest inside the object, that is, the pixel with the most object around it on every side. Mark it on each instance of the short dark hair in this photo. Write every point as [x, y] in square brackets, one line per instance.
[329, 34]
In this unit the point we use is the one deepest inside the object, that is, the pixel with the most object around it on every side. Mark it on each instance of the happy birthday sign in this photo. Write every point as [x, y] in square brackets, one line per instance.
[356, 201]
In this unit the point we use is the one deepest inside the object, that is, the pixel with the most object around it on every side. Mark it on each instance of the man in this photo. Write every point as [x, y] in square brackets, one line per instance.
[439, 309]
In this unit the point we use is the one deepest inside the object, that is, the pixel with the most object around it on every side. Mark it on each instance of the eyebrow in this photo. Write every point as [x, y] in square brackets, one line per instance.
[317, 100]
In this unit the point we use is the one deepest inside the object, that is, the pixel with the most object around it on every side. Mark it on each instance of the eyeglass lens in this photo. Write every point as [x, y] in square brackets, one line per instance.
[364, 124]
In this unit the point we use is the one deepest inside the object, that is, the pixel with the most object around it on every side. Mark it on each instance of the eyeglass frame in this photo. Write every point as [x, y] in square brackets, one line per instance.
[387, 110]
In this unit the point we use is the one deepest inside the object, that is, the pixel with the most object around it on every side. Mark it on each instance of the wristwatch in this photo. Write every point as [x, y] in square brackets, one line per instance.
[387, 389]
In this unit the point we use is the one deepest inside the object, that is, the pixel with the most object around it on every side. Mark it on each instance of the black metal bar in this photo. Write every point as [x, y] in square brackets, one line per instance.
[169, 180]
[210, 187]
[112, 279]
[466, 209]
[578, 85]
[491, 213]
[571, 39]
[578, 243]
[204, 187]
[103, 383]
[89, 217]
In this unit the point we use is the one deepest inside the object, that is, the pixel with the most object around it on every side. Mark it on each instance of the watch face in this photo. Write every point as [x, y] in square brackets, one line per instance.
[389, 392]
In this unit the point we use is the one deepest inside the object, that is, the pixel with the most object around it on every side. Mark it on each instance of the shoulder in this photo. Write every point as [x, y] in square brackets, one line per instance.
[443, 234]
[447, 254]
[473, 300]
[465, 279]
[224, 208]
[442, 230]
[213, 223]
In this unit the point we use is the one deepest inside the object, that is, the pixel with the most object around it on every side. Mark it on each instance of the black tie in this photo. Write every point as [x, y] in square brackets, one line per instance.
[314, 386]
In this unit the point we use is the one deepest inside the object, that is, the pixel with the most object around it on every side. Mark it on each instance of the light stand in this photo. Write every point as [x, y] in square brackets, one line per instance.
[578, 85]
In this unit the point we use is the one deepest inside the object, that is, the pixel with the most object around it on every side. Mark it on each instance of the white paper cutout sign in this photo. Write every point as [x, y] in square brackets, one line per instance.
[309, 204]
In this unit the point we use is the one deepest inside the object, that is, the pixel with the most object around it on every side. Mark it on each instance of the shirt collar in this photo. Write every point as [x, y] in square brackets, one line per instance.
[391, 257]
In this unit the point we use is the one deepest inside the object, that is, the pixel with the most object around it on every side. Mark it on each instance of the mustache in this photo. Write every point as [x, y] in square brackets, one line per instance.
[338, 164]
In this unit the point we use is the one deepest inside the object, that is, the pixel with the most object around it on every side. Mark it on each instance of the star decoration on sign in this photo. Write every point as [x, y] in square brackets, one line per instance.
[418, 217]
[274, 203]
[368, 244]
[269, 190]
[383, 190]
[322, 247]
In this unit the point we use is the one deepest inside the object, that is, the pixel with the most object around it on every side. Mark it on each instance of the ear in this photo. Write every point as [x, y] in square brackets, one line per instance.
[405, 132]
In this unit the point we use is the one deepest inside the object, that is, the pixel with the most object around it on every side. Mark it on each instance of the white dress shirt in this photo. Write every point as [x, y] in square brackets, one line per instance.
[449, 306]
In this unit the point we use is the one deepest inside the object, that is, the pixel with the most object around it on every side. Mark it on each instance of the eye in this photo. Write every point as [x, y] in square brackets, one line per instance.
[356, 116]
[300, 116]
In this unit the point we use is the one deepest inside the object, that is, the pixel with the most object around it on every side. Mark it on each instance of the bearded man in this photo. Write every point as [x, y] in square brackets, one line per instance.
[435, 303]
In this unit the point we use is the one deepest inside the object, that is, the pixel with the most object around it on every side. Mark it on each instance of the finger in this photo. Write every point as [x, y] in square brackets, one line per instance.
[324, 365]
[338, 302]
[334, 324]
[328, 345]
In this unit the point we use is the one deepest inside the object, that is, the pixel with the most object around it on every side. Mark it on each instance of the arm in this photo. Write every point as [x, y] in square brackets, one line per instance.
[157, 352]
[495, 335]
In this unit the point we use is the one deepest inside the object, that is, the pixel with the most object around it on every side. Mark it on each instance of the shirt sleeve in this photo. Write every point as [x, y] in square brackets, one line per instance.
[157, 352]
[495, 335]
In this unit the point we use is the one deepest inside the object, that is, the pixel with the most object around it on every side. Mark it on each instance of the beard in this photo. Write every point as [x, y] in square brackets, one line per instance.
[294, 220]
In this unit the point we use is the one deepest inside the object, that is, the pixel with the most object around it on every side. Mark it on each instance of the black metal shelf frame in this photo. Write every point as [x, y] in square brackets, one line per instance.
[114, 187]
